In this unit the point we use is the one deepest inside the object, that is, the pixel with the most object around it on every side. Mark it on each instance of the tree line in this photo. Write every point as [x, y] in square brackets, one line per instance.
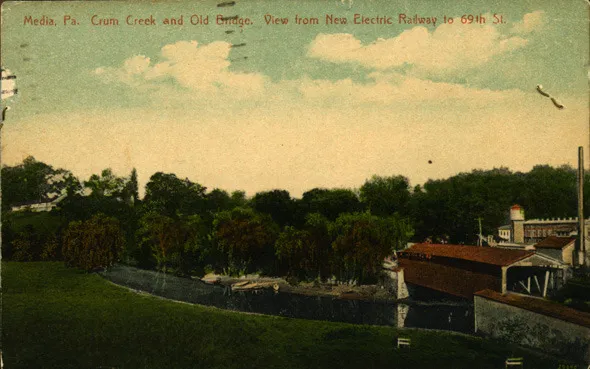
[182, 227]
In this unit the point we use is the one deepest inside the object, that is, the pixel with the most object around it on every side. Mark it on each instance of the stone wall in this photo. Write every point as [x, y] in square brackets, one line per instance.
[527, 328]
[396, 283]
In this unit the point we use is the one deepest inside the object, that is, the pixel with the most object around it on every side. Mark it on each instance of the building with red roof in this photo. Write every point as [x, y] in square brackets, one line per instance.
[560, 248]
[462, 270]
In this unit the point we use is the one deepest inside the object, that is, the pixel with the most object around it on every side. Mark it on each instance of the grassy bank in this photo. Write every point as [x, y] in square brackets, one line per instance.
[55, 317]
[575, 293]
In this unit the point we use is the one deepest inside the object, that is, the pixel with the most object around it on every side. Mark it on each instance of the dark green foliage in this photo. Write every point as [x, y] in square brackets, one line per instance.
[238, 199]
[575, 293]
[79, 207]
[132, 187]
[107, 184]
[51, 249]
[168, 195]
[219, 200]
[550, 192]
[159, 237]
[448, 208]
[31, 237]
[31, 182]
[46, 223]
[195, 226]
[317, 228]
[329, 203]
[179, 245]
[246, 240]
[26, 246]
[385, 196]
[362, 241]
[95, 243]
[277, 203]
[294, 249]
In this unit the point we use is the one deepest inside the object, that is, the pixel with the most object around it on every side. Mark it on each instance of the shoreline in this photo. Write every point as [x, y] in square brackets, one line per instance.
[373, 293]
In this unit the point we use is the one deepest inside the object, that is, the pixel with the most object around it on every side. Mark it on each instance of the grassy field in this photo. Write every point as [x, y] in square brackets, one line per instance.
[55, 317]
[44, 222]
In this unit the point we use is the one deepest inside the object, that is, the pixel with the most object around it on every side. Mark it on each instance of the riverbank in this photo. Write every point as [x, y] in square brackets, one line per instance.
[55, 317]
[344, 291]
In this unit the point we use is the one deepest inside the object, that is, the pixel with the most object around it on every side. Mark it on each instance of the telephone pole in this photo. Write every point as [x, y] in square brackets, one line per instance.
[480, 238]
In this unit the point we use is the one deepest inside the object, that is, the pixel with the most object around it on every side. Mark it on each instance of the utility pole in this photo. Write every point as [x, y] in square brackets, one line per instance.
[480, 238]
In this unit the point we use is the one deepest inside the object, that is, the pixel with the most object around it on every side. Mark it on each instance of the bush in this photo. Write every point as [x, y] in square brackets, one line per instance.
[95, 243]
[26, 245]
[51, 249]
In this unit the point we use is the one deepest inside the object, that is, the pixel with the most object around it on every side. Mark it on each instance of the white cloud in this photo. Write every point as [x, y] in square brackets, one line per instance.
[204, 75]
[136, 65]
[392, 88]
[530, 22]
[449, 47]
[200, 68]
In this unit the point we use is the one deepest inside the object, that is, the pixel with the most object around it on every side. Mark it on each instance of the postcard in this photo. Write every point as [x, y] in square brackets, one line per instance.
[295, 183]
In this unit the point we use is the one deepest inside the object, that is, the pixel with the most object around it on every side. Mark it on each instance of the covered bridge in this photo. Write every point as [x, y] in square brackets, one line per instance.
[462, 270]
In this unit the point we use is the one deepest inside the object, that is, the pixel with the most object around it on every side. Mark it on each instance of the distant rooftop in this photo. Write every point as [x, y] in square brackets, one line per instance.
[554, 242]
[480, 254]
[570, 220]
[540, 306]
[553, 220]
[514, 245]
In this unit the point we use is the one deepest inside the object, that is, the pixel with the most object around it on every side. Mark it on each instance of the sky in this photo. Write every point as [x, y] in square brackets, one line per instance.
[296, 106]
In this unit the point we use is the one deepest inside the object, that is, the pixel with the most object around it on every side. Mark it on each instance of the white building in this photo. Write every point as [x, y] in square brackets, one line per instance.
[40, 206]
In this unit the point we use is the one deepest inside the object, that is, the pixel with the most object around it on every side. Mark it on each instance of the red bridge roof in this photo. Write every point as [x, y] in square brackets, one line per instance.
[486, 255]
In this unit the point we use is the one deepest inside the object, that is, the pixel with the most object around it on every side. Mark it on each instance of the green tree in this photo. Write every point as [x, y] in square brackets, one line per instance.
[238, 199]
[160, 237]
[276, 203]
[106, 184]
[95, 243]
[51, 249]
[168, 195]
[198, 250]
[32, 182]
[317, 227]
[550, 192]
[329, 203]
[385, 196]
[173, 244]
[109, 195]
[362, 241]
[449, 209]
[305, 253]
[27, 245]
[246, 240]
[219, 200]
[292, 249]
[132, 187]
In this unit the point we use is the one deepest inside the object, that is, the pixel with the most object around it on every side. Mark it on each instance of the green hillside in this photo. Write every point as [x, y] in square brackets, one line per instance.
[55, 317]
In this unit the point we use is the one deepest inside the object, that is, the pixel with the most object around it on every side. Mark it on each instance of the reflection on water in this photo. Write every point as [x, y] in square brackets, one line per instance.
[438, 314]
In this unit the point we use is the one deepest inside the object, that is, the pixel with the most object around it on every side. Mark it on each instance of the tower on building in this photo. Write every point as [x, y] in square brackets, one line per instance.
[517, 224]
